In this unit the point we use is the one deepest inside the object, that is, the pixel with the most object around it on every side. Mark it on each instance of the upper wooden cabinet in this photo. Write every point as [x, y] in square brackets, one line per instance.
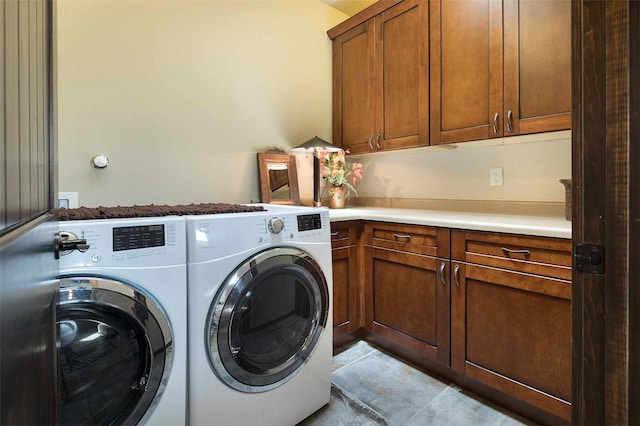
[381, 81]
[499, 68]
[353, 88]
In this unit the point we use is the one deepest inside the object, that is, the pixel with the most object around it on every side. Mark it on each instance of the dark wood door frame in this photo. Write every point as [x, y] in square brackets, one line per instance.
[606, 210]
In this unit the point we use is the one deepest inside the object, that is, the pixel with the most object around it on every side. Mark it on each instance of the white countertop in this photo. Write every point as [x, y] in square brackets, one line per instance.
[545, 226]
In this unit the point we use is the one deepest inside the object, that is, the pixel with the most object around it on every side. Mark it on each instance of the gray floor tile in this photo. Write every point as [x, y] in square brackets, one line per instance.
[351, 354]
[391, 388]
[456, 407]
[343, 411]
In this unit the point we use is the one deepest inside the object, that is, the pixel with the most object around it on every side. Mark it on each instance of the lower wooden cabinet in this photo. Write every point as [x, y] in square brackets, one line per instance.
[511, 329]
[488, 308]
[406, 287]
[344, 252]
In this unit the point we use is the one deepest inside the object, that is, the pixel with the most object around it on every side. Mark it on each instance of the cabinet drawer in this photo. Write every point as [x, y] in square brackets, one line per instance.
[342, 234]
[536, 255]
[416, 239]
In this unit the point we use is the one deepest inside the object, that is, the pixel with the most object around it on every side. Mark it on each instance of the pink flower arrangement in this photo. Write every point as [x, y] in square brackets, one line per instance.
[338, 171]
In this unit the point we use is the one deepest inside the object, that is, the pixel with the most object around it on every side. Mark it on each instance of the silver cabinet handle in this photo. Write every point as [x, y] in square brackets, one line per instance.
[507, 252]
[509, 126]
[370, 139]
[442, 278]
[378, 141]
[495, 123]
[456, 270]
[335, 234]
[402, 237]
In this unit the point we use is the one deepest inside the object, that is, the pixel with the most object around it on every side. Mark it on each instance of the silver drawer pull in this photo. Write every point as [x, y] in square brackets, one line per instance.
[402, 237]
[507, 252]
[335, 234]
[456, 271]
[442, 278]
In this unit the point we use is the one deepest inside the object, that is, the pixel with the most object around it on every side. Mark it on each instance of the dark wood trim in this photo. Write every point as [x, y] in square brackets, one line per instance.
[588, 145]
[605, 210]
[634, 211]
[360, 17]
[617, 198]
[50, 154]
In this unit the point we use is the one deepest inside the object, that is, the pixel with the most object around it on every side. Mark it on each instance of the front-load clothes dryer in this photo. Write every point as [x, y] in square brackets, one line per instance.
[260, 329]
[122, 323]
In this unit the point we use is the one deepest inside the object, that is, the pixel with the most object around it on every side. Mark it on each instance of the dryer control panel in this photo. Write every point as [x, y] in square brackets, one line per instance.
[213, 237]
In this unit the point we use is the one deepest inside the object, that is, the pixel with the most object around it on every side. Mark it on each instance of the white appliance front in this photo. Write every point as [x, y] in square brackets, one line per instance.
[260, 328]
[122, 323]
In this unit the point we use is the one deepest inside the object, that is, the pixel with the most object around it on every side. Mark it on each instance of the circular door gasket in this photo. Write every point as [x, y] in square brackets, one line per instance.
[266, 319]
[115, 343]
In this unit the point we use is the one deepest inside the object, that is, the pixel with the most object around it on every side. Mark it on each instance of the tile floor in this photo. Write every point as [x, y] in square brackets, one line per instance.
[370, 387]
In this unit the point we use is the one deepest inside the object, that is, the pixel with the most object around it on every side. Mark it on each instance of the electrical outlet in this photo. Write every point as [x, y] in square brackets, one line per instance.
[68, 200]
[495, 176]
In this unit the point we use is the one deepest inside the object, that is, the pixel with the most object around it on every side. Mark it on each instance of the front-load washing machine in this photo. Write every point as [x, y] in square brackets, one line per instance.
[122, 322]
[260, 332]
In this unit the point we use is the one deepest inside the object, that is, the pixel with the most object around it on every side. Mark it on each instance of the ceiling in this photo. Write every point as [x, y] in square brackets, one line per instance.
[350, 7]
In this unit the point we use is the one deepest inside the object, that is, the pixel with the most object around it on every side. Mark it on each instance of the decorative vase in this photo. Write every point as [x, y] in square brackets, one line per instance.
[568, 188]
[337, 197]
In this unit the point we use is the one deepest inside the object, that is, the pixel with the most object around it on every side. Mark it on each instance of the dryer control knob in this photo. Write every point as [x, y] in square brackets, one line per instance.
[275, 225]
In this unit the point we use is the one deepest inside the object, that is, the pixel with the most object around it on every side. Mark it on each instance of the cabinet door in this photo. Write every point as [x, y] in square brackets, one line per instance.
[512, 331]
[345, 296]
[353, 89]
[537, 66]
[402, 76]
[466, 70]
[408, 302]
[346, 318]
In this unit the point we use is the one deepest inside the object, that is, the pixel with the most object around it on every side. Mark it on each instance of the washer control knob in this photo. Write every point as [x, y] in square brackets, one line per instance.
[275, 225]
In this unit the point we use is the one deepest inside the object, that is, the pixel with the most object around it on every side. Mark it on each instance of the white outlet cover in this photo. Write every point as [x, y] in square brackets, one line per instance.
[68, 200]
[495, 176]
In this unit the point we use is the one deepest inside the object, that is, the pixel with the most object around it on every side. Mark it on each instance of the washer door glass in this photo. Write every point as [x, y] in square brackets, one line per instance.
[267, 318]
[114, 352]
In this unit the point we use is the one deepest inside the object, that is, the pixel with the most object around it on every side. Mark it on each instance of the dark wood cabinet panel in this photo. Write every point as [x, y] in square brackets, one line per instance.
[353, 88]
[466, 69]
[537, 65]
[381, 81]
[544, 256]
[511, 330]
[402, 76]
[346, 296]
[507, 73]
[406, 293]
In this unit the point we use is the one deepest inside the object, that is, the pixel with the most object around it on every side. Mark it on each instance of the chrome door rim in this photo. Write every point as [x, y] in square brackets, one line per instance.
[236, 282]
[113, 294]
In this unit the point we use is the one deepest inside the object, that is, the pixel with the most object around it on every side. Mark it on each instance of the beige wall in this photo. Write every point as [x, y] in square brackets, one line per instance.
[532, 166]
[181, 94]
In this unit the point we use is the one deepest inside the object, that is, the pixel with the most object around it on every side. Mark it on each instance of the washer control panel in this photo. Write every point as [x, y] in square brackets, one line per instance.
[127, 242]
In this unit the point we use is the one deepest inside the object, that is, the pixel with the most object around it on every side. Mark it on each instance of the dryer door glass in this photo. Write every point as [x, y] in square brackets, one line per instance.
[267, 319]
[112, 352]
